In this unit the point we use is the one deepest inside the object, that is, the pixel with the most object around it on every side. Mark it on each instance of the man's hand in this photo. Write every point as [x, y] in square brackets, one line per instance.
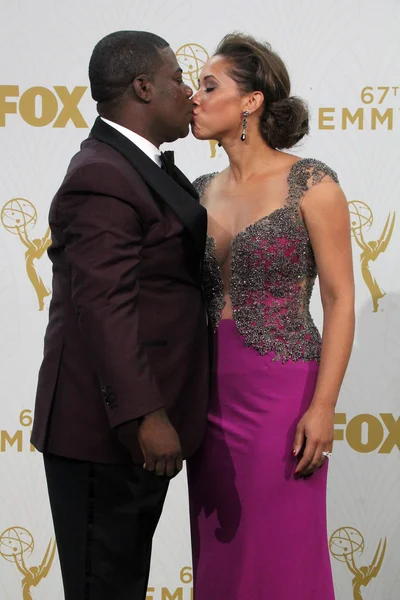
[159, 443]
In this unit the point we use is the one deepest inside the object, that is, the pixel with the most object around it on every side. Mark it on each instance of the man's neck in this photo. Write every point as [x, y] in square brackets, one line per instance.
[135, 126]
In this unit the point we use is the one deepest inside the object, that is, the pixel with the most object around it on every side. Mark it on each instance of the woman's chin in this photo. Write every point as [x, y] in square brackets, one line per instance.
[198, 134]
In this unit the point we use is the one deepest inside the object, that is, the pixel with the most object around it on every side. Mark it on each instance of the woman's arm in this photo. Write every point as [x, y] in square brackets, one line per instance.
[325, 212]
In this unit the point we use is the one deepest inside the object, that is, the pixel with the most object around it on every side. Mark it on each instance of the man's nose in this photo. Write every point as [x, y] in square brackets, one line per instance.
[188, 91]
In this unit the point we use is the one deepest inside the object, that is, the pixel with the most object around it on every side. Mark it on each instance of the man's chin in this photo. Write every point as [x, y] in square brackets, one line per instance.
[177, 135]
[184, 132]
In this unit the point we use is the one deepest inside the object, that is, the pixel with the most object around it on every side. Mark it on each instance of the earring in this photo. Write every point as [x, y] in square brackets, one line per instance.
[245, 115]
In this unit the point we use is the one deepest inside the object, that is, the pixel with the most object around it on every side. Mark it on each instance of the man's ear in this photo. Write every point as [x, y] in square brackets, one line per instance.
[143, 88]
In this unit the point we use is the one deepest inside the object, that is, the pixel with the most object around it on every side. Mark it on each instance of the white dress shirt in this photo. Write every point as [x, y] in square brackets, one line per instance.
[145, 146]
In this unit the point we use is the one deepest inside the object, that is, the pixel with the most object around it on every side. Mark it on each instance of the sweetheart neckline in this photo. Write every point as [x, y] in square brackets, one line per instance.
[251, 225]
[269, 215]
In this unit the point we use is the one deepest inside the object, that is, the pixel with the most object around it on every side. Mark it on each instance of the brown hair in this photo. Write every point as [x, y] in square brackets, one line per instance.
[255, 67]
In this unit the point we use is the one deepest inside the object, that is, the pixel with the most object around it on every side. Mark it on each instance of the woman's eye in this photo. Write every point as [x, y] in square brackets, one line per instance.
[208, 90]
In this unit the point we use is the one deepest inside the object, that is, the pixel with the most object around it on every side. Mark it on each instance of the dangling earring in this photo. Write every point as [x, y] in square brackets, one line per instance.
[245, 115]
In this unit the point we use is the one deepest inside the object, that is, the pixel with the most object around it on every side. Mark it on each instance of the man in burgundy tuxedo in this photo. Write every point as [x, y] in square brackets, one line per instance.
[123, 387]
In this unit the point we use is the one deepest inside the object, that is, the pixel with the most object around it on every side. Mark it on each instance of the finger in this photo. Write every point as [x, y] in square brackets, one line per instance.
[309, 452]
[299, 439]
[324, 459]
[319, 459]
[149, 464]
[170, 468]
[315, 461]
[160, 467]
[179, 464]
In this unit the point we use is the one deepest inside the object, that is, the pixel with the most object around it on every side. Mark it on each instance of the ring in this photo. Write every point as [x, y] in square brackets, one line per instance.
[327, 454]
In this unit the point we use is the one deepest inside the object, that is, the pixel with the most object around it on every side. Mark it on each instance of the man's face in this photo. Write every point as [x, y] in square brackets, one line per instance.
[172, 105]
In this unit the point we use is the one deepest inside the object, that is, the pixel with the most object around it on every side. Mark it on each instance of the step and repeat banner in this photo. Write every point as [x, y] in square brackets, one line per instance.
[343, 57]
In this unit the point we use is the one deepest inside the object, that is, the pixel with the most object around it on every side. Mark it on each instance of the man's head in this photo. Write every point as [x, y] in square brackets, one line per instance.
[136, 81]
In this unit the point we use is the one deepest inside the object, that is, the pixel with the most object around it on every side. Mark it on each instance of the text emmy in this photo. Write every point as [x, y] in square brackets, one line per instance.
[181, 592]
[365, 117]
[20, 439]
[39, 106]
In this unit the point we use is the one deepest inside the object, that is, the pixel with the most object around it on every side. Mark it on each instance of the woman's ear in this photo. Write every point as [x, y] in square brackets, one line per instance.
[254, 101]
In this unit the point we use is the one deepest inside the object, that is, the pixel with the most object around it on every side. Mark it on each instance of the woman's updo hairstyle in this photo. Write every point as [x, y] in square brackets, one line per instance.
[255, 67]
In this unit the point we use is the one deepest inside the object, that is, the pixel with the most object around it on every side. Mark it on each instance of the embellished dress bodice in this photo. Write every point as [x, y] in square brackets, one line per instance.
[272, 274]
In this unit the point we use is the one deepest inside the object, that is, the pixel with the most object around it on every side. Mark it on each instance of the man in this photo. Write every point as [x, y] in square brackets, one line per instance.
[123, 387]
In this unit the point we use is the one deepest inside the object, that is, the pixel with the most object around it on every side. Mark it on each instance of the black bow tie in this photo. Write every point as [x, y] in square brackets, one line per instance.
[167, 161]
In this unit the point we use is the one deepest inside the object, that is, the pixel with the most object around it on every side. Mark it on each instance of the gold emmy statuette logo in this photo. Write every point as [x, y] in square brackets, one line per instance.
[345, 544]
[361, 221]
[192, 58]
[15, 544]
[17, 216]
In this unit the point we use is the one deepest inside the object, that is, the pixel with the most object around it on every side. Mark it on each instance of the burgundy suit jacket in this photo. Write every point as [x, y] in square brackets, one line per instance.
[127, 331]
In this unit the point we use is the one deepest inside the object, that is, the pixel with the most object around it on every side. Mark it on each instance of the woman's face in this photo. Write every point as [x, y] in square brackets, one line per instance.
[218, 105]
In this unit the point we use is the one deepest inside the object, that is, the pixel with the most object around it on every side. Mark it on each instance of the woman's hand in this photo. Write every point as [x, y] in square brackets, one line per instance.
[315, 435]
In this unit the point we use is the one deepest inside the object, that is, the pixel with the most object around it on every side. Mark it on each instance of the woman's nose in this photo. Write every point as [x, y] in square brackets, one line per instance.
[195, 99]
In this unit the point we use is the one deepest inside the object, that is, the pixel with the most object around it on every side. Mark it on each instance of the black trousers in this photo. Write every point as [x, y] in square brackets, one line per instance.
[104, 519]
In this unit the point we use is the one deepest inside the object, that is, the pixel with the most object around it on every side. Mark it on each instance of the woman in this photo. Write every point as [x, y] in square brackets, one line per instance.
[258, 485]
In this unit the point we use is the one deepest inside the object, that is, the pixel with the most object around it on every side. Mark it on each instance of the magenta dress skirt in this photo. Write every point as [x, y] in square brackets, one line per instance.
[257, 532]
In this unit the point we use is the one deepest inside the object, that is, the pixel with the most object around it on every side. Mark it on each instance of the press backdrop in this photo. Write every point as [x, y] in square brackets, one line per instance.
[343, 56]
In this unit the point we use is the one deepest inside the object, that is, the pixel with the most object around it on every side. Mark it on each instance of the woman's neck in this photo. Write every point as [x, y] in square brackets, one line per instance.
[249, 157]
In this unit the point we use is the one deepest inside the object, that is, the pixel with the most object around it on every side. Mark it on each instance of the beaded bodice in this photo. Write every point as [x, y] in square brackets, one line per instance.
[273, 272]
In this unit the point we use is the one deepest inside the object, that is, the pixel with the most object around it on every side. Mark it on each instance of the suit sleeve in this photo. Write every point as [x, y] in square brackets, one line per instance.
[103, 243]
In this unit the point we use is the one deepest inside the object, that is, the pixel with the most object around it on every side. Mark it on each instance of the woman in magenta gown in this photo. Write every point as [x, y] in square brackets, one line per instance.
[258, 485]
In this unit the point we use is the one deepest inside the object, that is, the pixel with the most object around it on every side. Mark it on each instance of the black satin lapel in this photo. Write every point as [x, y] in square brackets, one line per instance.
[180, 199]
[185, 183]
